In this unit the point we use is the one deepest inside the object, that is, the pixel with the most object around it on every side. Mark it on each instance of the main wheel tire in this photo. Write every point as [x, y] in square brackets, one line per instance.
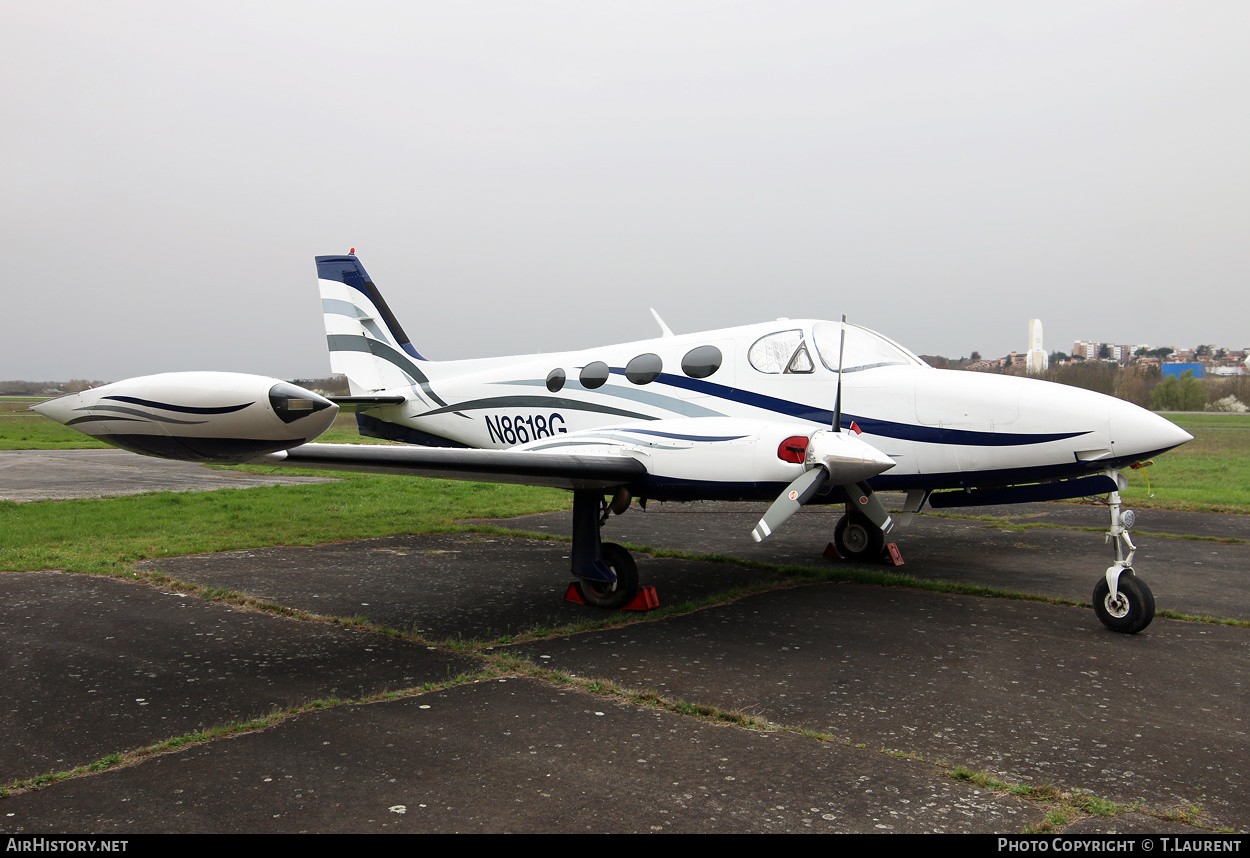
[617, 595]
[1133, 608]
[857, 538]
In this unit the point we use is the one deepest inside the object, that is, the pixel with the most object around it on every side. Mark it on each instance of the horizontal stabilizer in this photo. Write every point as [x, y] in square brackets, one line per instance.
[349, 404]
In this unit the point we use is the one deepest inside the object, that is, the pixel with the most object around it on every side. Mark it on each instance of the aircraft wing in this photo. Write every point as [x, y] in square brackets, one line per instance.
[523, 467]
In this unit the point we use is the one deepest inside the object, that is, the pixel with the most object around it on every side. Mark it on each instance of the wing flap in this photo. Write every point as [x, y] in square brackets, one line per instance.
[522, 467]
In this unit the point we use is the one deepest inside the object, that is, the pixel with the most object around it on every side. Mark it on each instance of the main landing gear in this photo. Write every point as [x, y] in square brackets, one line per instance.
[1122, 601]
[857, 538]
[606, 573]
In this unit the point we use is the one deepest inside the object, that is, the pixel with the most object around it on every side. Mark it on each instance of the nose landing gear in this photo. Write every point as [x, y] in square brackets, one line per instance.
[1122, 601]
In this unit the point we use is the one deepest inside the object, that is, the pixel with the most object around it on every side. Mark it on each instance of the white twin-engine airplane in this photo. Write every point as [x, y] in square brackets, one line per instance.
[793, 411]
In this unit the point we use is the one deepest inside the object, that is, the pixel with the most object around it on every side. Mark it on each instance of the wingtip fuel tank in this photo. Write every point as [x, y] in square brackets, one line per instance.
[196, 416]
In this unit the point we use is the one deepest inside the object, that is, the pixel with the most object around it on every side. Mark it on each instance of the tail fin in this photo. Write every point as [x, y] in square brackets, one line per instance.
[366, 341]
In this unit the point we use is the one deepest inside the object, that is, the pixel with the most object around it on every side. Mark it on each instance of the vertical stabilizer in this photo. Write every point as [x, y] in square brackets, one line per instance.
[366, 341]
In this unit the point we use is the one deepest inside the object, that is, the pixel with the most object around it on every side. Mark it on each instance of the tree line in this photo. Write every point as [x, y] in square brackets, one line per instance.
[1146, 386]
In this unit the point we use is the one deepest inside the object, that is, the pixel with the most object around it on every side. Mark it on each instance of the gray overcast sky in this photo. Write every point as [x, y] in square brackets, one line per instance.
[532, 176]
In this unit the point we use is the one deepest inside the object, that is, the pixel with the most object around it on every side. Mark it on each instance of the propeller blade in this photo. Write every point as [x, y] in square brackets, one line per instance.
[864, 499]
[796, 494]
[837, 401]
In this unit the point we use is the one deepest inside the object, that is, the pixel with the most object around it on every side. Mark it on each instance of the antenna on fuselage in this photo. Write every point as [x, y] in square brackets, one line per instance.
[837, 402]
[664, 331]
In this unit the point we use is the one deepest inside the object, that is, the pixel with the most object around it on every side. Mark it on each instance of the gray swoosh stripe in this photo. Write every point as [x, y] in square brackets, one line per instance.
[349, 343]
[87, 418]
[563, 444]
[154, 417]
[646, 397]
[534, 402]
[342, 308]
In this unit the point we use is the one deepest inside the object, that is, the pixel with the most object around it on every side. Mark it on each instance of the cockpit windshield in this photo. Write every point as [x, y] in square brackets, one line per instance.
[864, 349]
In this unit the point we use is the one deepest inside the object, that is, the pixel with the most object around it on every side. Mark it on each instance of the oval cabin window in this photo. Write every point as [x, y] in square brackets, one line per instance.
[644, 369]
[593, 375]
[701, 362]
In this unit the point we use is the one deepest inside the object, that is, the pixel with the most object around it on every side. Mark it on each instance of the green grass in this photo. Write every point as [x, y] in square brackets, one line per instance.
[343, 431]
[23, 429]
[1212, 419]
[1209, 474]
[105, 535]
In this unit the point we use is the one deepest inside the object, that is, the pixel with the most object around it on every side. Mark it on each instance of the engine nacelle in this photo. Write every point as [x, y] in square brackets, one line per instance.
[197, 416]
[723, 449]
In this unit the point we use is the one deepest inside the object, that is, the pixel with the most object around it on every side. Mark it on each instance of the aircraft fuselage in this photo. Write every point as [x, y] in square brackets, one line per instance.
[943, 429]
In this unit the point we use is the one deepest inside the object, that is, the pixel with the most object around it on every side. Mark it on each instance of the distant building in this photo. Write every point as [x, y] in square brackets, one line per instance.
[1179, 369]
[1118, 353]
[1086, 349]
[1037, 360]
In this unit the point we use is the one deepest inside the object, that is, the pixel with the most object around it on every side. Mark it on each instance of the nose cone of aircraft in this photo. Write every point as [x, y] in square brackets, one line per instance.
[62, 409]
[1139, 434]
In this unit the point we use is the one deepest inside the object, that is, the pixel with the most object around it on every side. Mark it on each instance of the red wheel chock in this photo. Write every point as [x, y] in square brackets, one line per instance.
[646, 600]
[890, 554]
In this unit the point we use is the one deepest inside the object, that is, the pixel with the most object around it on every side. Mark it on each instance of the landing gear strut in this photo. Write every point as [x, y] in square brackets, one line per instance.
[1122, 601]
[606, 572]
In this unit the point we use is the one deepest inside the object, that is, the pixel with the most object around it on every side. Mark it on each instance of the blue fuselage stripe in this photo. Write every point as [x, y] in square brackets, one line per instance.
[880, 428]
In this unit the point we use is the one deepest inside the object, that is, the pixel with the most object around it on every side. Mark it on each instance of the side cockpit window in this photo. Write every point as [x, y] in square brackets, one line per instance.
[782, 352]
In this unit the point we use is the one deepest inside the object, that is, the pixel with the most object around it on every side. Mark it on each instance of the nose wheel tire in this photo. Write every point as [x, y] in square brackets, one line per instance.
[622, 592]
[1131, 610]
[857, 538]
